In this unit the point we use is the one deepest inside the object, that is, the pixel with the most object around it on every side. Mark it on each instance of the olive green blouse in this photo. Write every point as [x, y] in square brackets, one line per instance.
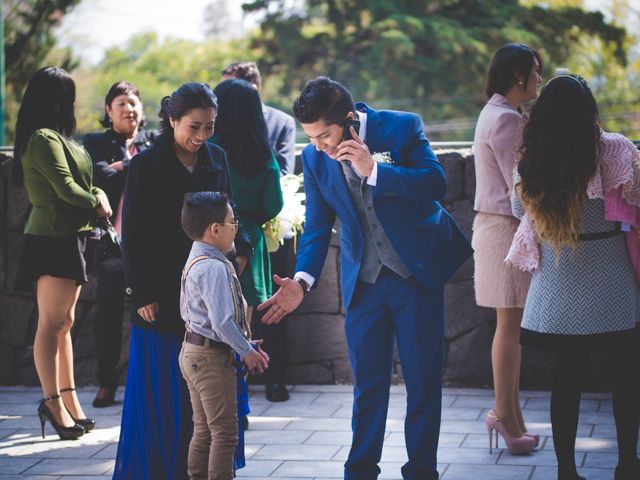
[58, 177]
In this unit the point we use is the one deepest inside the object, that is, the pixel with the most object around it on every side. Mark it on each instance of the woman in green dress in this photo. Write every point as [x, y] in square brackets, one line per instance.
[255, 180]
[255, 176]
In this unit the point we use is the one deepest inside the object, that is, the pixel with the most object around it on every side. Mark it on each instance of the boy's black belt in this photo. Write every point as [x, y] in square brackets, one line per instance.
[196, 339]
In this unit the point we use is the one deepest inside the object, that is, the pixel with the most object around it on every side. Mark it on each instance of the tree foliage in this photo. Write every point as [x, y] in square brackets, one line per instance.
[29, 40]
[430, 56]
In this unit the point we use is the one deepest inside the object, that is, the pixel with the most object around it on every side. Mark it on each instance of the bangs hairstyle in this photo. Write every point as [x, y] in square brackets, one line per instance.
[48, 102]
[326, 99]
[241, 128]
[558, 157]
[200, 210]
[117, 89]
[188, 96]
[509, 61]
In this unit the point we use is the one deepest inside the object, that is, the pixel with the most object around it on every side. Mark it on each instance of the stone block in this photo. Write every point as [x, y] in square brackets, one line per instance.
[468, 358]
[13, 251]
[8, 365]
[461, 312]
[17, 209]
[18, 320]
[453, 165]
[469, 178]
[26, 369]
[342, 371]
[315, 373]
[312, 338]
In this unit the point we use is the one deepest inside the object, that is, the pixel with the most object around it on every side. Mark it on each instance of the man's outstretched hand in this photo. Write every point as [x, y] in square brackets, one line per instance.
[288, 297]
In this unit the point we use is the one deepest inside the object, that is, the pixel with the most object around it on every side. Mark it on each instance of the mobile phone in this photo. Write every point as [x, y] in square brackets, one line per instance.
[346, 133]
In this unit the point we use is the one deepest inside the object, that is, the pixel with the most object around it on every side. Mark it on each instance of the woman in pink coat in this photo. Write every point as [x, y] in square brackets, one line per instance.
[513, 79]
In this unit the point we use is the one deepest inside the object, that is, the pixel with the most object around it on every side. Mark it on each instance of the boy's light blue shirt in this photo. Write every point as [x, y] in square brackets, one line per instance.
[206, 298]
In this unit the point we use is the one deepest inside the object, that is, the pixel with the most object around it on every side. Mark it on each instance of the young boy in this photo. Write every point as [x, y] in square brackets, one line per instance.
[213, 309]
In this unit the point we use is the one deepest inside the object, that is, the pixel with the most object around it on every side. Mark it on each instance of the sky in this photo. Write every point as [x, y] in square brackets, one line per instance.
[95, 25]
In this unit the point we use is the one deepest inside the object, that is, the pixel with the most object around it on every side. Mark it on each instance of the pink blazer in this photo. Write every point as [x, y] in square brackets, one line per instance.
[495, 144]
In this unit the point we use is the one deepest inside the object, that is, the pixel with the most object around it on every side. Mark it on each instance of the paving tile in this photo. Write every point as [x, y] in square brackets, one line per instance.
[390, 454]
[258, 468]
[278, 437]
[537, 457]
[31, 477]
[322, 388]
[330, 438]
[297, 452]
[601, 459]
[108, 452]
[493, 472]
[14, 466]
[467, 456]
[474, 401]
[549, 473]
[457, 413]
[394, 412]
[54, 466]
[336, 424]
[296, 468]
[269, 423]
[316, 411]
[589, 444]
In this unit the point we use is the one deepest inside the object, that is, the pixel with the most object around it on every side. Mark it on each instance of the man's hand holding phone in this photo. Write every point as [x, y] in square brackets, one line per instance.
[354, 150]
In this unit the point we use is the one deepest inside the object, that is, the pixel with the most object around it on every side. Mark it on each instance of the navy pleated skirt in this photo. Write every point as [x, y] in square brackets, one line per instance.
[156, 417]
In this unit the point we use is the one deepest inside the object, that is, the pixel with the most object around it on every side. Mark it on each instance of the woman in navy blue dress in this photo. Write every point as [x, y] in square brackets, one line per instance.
[156, 418]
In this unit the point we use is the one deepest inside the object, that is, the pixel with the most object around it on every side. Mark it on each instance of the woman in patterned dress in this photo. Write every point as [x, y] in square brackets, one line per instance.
[583, 296]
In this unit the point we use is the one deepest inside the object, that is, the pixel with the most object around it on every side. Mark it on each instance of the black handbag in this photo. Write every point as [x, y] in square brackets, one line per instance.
[107, 252]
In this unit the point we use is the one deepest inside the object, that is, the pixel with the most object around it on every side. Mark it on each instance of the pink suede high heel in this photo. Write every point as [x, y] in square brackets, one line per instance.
[535, 436]
[515, 445]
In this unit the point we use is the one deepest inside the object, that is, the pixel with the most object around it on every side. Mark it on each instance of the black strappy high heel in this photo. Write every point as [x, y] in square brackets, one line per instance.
[65, 433]
[87, 423]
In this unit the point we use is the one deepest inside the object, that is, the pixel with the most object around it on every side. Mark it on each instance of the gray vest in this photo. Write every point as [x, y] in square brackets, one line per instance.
[377, 251]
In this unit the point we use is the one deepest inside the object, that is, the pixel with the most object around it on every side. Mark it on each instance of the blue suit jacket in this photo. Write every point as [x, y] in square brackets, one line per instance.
[405, 199]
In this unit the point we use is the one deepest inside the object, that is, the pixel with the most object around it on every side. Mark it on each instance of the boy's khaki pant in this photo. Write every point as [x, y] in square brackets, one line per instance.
[211, 377]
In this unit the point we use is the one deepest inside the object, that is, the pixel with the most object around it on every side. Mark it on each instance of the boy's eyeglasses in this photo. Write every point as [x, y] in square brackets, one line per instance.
[235, 225]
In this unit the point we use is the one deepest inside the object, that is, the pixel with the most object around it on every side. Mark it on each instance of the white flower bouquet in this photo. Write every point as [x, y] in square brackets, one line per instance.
[289, 222]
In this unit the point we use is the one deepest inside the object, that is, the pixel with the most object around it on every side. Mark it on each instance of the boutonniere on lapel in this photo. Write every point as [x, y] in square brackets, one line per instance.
[382, 157]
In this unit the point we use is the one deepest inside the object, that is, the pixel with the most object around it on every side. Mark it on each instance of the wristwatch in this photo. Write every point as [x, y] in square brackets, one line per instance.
[303, 284]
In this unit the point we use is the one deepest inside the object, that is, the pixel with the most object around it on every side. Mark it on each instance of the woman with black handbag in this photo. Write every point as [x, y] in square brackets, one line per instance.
[57, 173]
[111, 152]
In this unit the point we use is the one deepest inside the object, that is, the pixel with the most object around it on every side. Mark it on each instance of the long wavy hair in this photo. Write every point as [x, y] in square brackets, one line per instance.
[241, 127]
[558, 156]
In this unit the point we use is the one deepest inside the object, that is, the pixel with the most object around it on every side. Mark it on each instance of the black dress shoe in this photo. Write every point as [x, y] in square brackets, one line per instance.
[105, 397]
[277, 392]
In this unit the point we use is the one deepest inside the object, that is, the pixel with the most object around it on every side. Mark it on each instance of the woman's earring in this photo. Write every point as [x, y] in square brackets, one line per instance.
[520, 83]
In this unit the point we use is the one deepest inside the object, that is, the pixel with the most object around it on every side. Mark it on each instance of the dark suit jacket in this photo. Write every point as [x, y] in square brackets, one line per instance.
[155, 247]
[405, 198]
[108, 147]
[282, 137]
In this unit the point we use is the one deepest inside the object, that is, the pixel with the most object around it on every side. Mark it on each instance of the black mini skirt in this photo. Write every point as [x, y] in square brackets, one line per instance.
[62, 257]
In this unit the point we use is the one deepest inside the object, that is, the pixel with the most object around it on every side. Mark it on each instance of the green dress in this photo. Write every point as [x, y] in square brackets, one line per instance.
[258, 199]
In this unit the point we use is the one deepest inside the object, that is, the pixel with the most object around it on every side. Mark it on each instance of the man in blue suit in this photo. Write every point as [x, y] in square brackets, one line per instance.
[398, 248]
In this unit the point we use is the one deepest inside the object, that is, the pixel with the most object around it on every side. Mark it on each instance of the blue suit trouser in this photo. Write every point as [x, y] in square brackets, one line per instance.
[403, 309]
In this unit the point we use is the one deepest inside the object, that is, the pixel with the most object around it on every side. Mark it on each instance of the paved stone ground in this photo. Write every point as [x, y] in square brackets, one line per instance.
[308, 437]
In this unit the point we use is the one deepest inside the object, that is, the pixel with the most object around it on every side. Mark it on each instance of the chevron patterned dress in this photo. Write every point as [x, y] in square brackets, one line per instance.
[588, 297]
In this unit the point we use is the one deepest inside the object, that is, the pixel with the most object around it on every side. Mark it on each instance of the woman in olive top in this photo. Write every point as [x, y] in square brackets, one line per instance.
[57, 175]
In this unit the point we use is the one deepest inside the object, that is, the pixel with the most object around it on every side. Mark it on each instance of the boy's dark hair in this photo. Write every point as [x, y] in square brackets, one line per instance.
[200, 210]
[48, 102]
[188, 96]
[323, 98]
[509, 61]
[117, 89]
[244, 71]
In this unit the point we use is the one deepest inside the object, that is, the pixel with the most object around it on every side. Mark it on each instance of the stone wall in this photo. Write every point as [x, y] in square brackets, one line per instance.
[316, 347]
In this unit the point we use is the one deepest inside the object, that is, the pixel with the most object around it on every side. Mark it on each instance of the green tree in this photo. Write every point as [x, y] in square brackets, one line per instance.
[429, 56]
[29, 40]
